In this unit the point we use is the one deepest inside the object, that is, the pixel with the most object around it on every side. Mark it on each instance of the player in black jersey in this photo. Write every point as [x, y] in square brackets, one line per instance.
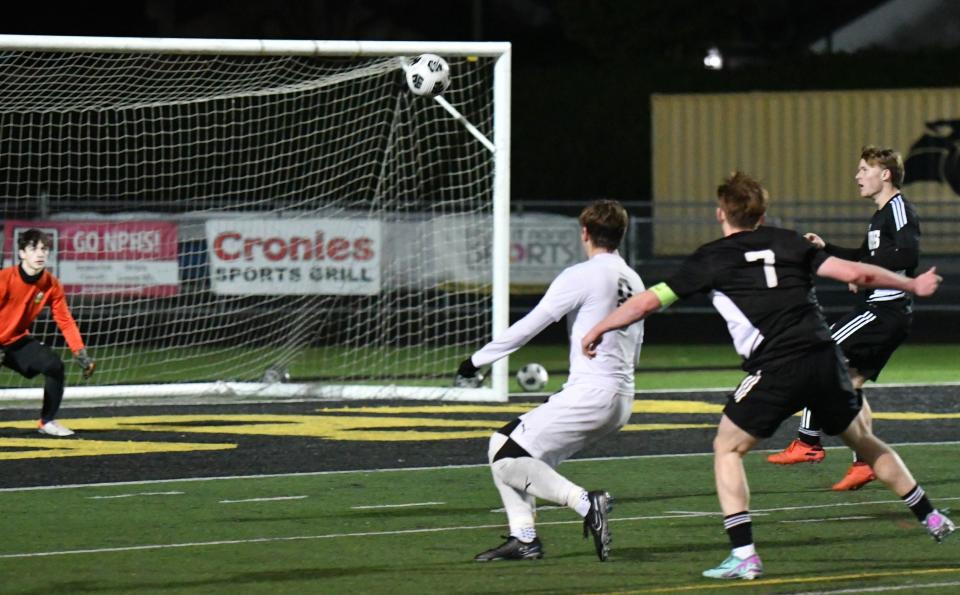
[870, 333]
[761, 280]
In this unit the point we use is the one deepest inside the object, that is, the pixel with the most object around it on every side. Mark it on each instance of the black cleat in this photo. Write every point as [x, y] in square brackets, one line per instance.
[512, 549]
[596, 523]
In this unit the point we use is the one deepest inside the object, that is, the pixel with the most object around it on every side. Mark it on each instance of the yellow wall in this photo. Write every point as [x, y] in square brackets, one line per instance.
[804, 147]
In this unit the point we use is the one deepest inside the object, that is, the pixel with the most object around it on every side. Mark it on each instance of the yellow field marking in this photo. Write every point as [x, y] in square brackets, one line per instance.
[652, 427]
[639, 406]
[675, 406]
[49, 448]
[913, 415]
[399, 409]
[331, 427]
[394, 425]
[739, 584]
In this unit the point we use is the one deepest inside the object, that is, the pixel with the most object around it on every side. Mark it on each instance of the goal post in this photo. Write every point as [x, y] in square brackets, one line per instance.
[262, 217]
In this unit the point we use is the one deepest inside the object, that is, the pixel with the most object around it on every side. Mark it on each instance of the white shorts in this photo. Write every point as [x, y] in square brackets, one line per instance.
[570, 420]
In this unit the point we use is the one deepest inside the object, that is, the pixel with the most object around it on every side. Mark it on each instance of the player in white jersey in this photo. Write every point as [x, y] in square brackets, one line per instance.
[596, 400]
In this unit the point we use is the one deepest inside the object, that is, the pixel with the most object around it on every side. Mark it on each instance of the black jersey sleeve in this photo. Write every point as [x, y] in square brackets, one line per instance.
[855, 254]
[816, 259]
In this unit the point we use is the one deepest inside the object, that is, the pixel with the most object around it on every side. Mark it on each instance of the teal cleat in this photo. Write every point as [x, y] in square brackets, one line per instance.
[734, 567]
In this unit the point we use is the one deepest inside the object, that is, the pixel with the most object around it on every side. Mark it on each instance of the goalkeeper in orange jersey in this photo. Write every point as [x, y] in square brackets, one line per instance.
[25, 289]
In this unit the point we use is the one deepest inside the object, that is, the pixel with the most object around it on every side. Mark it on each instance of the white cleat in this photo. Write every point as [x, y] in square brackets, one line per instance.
[53, 428]
[939, 525]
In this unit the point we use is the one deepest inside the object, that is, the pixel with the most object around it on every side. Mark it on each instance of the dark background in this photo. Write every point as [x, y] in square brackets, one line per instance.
[583, 70]
[583, 73]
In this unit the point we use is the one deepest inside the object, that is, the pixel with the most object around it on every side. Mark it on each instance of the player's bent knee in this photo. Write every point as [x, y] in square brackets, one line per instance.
[55, 368]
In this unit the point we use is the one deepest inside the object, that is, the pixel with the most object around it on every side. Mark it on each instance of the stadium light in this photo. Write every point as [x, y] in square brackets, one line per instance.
[713, 60]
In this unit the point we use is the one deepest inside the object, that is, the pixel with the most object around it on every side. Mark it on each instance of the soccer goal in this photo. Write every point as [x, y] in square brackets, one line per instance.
[277, 218]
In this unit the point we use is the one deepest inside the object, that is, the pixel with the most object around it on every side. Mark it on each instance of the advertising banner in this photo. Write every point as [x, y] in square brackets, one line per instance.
[134, 258]
[294, 256]
[541, 245]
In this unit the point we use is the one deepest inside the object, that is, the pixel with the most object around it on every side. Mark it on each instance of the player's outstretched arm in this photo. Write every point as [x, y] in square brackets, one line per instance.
[515, 337]
[636, 308]
[868, 275]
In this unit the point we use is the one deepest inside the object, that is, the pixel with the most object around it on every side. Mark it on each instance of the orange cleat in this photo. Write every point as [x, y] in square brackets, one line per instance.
[858, 475]
[798, 452]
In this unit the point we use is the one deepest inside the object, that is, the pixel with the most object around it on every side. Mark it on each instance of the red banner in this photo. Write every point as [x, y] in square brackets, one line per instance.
[106, 257]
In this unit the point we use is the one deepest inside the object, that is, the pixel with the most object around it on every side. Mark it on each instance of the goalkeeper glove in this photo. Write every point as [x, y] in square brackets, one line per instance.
[86, 362]
[468, 375]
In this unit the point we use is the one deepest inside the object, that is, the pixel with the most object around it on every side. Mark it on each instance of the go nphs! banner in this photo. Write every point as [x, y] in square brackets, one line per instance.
[132, 258]
[294, 257]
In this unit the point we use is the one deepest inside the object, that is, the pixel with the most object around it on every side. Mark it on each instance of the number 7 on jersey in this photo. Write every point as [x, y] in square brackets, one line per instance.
[768, 259]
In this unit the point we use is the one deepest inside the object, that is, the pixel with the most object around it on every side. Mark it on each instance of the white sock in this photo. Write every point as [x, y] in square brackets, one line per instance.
[525, 534]
[580, 503]
[745, 552]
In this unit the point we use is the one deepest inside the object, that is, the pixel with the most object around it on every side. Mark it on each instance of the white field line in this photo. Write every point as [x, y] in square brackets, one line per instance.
[163, 546]
[684, 515]
[273, 499]
[830, 520]
[405, 469]
[136, 495]
[886, 589]
[806, 507]
[397, 505]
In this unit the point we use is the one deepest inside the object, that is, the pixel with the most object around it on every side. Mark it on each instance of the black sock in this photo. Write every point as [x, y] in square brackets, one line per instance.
[809, 432]
[856, 456]
[739, 528]
[917, 500]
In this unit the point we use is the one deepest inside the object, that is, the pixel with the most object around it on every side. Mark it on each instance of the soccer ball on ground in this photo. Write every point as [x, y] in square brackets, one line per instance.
[532, 377]
[276, 373]
[428, 75]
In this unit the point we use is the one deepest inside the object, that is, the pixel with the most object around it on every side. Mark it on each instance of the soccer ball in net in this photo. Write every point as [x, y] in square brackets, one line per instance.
[532, 377]
[428, 75]
[276, 373]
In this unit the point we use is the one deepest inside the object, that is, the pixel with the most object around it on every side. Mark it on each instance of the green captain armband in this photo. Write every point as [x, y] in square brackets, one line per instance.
[664, 294]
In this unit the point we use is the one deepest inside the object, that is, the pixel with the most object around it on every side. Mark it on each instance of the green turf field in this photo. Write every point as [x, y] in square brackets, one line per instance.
[415, 531]
[662, 366]
[675, 366]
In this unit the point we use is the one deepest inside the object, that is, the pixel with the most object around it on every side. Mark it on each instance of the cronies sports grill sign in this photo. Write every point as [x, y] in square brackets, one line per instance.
[294, 256]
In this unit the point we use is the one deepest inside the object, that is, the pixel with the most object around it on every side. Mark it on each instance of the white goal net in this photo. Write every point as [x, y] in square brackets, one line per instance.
[261, 217]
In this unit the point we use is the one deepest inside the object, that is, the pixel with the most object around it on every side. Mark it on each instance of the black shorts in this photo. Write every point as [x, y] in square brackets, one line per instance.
[817, 380]
[869, 335]
[29, 357]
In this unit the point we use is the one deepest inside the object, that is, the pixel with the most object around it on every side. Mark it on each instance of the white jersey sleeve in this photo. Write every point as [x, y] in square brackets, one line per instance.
[585, 293]
[564, 294]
